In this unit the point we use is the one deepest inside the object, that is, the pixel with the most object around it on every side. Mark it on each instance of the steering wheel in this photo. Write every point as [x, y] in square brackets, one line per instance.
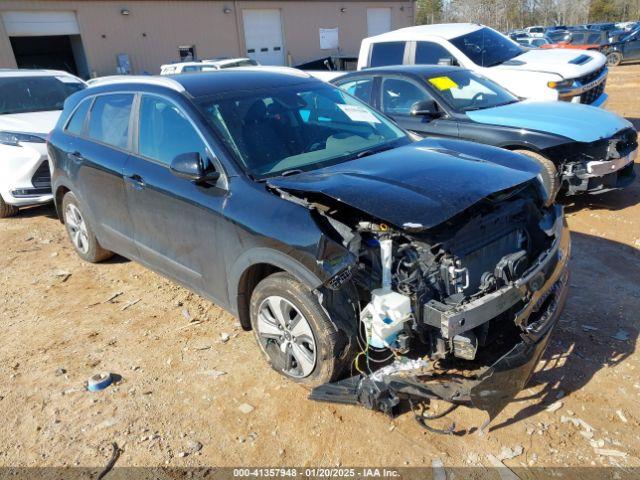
[476, 98]
[313, 147]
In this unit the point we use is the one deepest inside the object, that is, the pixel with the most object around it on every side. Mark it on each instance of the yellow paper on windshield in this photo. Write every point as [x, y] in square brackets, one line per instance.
[443, 83]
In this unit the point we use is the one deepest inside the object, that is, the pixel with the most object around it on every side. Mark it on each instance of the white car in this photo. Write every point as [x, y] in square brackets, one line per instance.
[535, 31]
[30, 103]
[577, 76]
[206, 65]
[533, 42]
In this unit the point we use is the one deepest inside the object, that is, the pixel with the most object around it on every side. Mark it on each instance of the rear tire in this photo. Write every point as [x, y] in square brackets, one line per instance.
[80, 231]
[614, 59]
[550, 176]
[7, 210]
[307, 353]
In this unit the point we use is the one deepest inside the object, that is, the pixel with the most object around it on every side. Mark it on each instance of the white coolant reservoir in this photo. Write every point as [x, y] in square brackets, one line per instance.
[385, 314]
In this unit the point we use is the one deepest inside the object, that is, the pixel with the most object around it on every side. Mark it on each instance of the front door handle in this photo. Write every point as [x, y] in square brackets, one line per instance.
[136, 181]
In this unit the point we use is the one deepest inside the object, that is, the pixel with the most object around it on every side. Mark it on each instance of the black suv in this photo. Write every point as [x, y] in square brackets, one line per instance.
[319, 223]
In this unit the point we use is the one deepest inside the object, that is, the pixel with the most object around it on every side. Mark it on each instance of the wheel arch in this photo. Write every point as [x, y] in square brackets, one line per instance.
[256, 265]
[59, 194]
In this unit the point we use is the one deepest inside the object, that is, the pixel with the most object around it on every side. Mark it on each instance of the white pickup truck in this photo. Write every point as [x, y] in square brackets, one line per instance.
[577, 76]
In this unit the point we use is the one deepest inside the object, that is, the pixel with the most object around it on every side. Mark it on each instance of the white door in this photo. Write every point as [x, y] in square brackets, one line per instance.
[36, 24]
[263, 36]
[378, 21]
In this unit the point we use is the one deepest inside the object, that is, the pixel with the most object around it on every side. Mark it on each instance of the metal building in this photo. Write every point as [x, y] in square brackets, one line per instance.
[103, 37]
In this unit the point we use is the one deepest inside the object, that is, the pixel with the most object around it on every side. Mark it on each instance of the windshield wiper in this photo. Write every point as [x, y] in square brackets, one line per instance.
[293, 171]
[371, 151]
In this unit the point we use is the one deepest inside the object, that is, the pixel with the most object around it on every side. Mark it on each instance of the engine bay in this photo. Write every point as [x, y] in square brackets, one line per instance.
[438, 308]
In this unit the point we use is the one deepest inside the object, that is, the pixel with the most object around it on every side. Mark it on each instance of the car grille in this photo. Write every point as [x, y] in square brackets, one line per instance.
[593, 94]
[590, 77]
[42, 176]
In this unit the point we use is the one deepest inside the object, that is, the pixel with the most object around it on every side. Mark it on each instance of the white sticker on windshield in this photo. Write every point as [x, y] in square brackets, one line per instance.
[68, 79]
[359, 114]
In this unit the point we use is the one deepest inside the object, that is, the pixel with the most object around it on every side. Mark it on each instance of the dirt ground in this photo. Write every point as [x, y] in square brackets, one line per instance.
[182, 384]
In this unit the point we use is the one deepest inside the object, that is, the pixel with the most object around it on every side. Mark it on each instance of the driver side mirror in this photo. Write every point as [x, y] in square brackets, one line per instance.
[190, 166]
[427, 108]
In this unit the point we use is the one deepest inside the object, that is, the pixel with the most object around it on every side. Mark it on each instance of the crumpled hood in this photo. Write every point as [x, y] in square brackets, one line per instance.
[555, 61]
[581, 123]
[33, 122]
[417, 186]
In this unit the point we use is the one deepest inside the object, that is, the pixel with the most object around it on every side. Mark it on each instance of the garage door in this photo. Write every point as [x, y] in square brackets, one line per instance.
[378, 21]
[38, 24]
[263, 36]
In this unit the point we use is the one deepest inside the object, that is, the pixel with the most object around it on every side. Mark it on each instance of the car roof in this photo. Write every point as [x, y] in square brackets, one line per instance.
[241, 78]
[420, 70]
[446, 31]
[212, 83]
[25, 72]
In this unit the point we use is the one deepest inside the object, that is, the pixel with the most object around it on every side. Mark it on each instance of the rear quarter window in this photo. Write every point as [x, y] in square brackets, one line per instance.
[360, 88]
[76, 123]
[387, 53]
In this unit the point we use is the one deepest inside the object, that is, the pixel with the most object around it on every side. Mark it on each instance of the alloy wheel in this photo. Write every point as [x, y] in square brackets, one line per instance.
[77, 228]
[282, 325]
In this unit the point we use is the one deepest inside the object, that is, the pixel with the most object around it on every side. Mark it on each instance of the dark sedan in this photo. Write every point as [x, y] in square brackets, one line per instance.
[625, 48]
[580, 148]
[321, 225]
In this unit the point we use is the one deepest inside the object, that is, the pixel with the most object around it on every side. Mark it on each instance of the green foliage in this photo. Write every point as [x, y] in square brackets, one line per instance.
[604, 11]
[428, 11]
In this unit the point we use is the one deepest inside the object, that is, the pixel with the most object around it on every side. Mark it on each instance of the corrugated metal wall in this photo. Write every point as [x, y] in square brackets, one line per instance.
[153, 30]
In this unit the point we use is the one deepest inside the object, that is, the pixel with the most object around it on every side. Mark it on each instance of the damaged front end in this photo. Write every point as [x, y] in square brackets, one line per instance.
[461, 310]
[600, 166]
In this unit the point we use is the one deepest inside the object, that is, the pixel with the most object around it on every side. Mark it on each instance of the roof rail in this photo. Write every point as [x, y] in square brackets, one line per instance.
[142, 79]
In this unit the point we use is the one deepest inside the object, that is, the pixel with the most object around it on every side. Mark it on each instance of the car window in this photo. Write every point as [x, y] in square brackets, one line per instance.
[486, 47]
[398, 95]
[577, 38]
[594, 38]
[464, 91]
[430, 53]
[303, 127]
[360, 88]
[164, 131]
[109, 120]
[76, 123]
[387, 53]
[36, 94]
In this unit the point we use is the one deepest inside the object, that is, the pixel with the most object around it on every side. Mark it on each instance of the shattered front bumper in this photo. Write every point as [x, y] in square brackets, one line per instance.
[600, 176]
[492, 388]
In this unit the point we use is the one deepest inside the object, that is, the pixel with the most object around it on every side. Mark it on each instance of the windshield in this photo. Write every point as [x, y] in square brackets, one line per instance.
[288, 129]
[35, 94]
[486, 47]
[464, 91]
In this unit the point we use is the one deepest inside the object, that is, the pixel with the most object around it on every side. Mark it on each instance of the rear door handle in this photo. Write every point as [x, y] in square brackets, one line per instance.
[136, 181]
[75, 157]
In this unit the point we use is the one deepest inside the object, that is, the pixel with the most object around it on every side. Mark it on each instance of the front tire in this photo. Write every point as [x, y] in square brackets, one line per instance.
[7, 210]
[614, 59]
[293, 331]
[80, 231]
[550, 176]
